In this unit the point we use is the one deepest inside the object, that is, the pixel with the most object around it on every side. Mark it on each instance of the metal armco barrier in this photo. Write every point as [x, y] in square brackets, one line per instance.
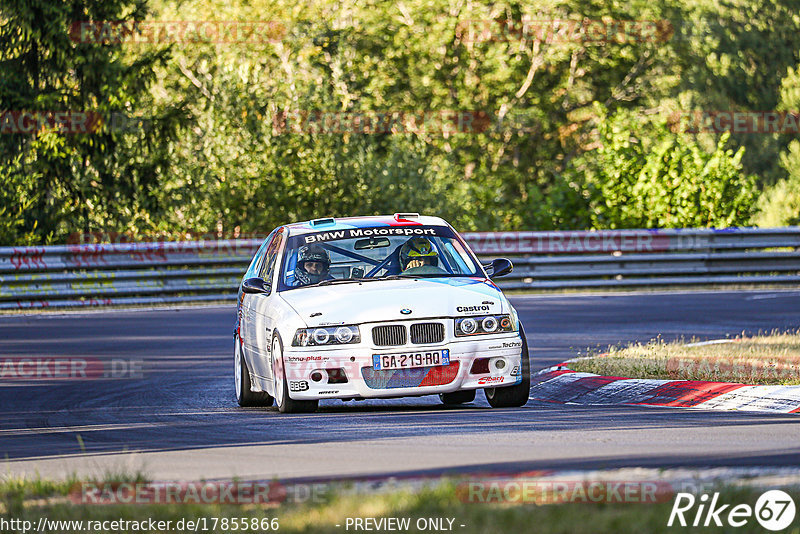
[173, 272]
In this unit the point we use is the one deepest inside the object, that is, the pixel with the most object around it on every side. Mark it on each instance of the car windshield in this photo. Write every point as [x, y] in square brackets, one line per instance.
[365, 254]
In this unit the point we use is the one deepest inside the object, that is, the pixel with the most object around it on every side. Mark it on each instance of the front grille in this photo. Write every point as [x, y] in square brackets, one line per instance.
[410, 378]
[389, 336]
[422, 333]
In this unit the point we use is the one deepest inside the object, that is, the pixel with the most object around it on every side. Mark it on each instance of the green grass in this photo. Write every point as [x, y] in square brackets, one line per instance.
[772, 359]
[29, 500]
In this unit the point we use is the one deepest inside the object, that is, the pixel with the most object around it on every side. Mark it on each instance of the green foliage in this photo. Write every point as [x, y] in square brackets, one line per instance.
[567, 146]
[780, 204]
[63, 181]
[642, 175]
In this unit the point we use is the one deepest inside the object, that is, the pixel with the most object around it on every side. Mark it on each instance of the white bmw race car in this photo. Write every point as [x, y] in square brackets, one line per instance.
[375, 307]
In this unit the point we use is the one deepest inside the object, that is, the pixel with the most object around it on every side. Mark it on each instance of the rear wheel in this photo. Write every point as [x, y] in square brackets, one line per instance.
[285, 403]
[242, 383]
[458, 397]
[513, 396]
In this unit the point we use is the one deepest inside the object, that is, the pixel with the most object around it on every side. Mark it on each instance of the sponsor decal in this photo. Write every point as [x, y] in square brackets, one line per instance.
[298, 385]
[306, 358]
[366, 232]
[515, 371]
[479, 308]
[512, 344]
[491, 380]
[328, 392]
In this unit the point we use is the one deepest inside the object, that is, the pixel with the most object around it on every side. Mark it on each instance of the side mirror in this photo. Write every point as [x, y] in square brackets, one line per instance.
[499, 267]
[256, 286]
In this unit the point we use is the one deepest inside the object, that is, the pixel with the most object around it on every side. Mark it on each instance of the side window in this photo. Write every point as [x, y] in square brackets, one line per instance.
[268, 266]
[255, 263]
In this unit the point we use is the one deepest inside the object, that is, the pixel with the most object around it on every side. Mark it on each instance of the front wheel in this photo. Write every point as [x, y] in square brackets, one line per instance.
[285, 403]
[513, 396]
[242, 382]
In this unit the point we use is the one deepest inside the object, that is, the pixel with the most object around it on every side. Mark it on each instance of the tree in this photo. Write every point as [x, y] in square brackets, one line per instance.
[779, 205]
[91, 174]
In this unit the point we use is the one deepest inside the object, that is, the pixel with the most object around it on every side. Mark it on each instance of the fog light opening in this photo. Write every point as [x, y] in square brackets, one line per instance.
[480, 366]
[500, 364]
[316, 376]
[336, 376]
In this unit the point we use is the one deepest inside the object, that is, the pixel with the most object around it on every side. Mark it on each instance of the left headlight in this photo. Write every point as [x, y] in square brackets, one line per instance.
[326, 335]
[484, 324]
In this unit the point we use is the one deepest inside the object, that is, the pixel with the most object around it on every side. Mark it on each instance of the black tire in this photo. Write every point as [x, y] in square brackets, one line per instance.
[285, 403]
[458, 397]
[513, 396]
[244, 395]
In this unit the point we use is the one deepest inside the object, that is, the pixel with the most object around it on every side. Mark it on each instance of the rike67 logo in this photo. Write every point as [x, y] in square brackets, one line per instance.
[774, 510]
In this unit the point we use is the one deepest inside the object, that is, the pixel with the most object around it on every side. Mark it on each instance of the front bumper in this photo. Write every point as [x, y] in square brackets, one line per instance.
[360, 380]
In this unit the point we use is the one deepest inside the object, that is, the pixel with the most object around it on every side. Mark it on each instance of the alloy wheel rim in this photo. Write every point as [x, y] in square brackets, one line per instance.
[277, 371]
[237, 369]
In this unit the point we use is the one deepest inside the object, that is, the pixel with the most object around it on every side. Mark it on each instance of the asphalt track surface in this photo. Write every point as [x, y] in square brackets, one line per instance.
[180, 420]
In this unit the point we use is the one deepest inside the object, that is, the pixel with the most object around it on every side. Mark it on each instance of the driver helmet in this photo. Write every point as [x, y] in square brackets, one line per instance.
[312, 253]
[418, 248]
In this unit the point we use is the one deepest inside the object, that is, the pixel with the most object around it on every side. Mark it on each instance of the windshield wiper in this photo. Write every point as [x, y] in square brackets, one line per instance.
[338, 281]
[370, 279]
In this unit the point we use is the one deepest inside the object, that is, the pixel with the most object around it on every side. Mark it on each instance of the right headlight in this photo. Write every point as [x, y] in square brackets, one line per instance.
[484, 324]
[326, 335]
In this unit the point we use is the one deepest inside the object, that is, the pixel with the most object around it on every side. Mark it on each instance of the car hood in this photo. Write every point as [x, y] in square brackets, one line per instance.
[384, 300]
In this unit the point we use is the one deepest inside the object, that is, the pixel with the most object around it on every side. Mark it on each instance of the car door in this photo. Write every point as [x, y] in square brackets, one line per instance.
[244, 309]
[248, 303]
[263, 310]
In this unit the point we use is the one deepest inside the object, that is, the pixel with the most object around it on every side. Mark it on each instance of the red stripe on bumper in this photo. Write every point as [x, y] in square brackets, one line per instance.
[439, 376]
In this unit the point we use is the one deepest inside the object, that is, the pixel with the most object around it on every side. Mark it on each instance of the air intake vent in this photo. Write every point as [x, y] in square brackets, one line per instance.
[422, 333]
[389, 336]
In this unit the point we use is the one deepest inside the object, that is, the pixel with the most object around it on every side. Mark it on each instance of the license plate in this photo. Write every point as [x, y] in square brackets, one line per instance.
[384, 362]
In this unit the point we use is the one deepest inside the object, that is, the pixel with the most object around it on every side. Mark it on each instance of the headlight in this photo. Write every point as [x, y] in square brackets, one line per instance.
[467, 326]
[484, 324]
[326, 335]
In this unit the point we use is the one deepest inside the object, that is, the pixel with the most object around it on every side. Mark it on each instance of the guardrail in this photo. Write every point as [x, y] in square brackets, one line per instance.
[164, 272]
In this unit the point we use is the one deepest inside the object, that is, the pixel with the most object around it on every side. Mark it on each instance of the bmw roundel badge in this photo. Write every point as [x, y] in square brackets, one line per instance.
[405, 311]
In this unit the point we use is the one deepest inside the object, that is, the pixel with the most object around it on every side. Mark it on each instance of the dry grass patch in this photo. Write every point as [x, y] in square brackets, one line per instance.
[771, 359]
